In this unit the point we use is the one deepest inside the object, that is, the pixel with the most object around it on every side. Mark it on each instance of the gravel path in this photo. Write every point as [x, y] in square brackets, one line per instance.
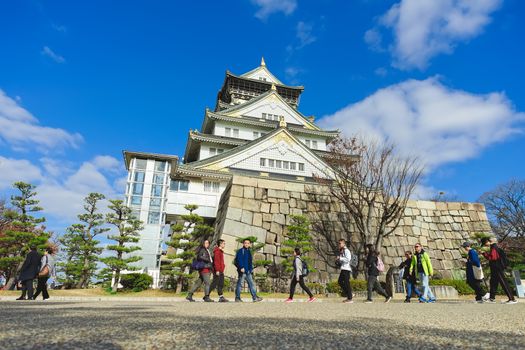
[322, 325]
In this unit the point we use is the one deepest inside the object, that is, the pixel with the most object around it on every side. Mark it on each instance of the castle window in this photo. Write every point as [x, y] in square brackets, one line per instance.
[210, 186]
[278, 164]
[307, 143]
[262, 162]
[301, 166]
[179, 185]
[235, 132]
[271, 163]
[314, 144]
[286, 165]
[255, 135]
[140, 163]
[228, 132]
[293, 165]
[213, 151]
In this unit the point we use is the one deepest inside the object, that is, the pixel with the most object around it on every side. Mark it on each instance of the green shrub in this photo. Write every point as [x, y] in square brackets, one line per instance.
[333, 287]
[461, 286]
[136, 281]
[315, 288]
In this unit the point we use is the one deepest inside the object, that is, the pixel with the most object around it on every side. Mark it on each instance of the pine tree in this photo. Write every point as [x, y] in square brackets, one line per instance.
[128, 228]
[298, 237]
[185, 238]
[80, 245]
[23, 231]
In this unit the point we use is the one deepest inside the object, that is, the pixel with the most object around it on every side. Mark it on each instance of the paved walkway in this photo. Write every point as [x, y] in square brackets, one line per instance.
[155, 325]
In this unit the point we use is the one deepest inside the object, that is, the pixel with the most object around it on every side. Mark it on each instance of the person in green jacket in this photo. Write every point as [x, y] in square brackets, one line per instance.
[422, 267]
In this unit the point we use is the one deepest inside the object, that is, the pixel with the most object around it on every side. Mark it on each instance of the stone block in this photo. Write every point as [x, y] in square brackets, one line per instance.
[279, 218]
[270, 238]
[266, 225]
[258, 232]
[284, 208]
[270, 249]
[439, 244]
[271, 184]
[267, 217]
[236, 191]
[235, 202]
[473, 215]
[426, 205]
[265, 207]
[296, 211]
[247, 217]
[274, 208]
[278, 194]
[244, 181]
[249, 192]
[251, 204]
[276, 228]
[234, 214]
[454, 206]
[257, 219]
[260, 193]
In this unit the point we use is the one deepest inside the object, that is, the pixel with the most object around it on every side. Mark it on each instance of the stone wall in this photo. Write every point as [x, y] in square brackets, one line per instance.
[262, 207]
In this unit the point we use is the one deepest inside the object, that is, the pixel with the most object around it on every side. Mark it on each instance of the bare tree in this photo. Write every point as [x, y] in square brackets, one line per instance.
[372, 184]
[505, 207]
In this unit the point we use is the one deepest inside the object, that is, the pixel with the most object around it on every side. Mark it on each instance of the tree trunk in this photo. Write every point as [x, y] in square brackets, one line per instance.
[84, 275]
[115, 283]
[13, 274]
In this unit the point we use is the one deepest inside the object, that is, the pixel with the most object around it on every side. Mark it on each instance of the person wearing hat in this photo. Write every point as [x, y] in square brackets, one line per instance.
[474, 278]
[498, 263]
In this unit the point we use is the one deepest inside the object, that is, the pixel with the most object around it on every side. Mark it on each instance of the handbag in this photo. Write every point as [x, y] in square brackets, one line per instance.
[478, 272]
[45, 270]
[198, 265]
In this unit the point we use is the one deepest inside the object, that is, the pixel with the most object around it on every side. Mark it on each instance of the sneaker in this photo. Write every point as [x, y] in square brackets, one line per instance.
[289, 300]
[433, 300]
[491, 301]
[238, 300]
[486, 297]
[513, 301]
[311, 300]
[223, 300]
[257, 299]
[479, 301]
[387, 300]
[407, 301]
[208, 300]
[367, 301]
[189, 298]
[348, 301]
[423, 300]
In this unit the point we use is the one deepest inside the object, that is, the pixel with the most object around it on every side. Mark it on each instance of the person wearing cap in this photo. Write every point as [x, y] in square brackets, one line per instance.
[473, 262]
[497, 264]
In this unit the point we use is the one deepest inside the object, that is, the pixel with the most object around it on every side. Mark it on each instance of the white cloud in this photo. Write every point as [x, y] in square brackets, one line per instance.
[304, 34]
[20, 129]
[268, 7]
[108, 163]
[381, 71]
[13, 170]
[422, 29]
[46, 51]
[427, 119]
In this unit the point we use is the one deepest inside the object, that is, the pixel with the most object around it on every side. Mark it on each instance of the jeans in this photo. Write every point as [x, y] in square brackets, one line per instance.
[203, 278]
[42, 287]
[497, 276]
[372, 284]
[476, 285]
[427, 293]
[218, 282]
[344, 283]
[240, 282]
[412, 288]
[301, 283]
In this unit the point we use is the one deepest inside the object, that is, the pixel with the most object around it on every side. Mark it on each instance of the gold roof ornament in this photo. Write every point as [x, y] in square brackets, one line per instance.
[263, 64]
[274, 88]
[282, 122]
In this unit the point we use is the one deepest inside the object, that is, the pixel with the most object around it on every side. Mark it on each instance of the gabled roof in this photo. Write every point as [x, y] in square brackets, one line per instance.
[210, 116]
[262, 69]
[195, 138]
[212, 163]
[272, 93]
[298, 87]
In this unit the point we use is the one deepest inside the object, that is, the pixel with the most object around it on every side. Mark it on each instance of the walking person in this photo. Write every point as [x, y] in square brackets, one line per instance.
[204, 264]
[343, 260]
[422, 267]
[244, 263]
[410, 278]
[47, 269]
[298, 277]
[218, 270]
[474, 278]
[498, 263]
[29, 271]
[372, 260]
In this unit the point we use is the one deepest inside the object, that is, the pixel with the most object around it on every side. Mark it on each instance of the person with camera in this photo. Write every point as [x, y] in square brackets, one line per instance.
[343, 261]
[202, 263]
[47, 269]
[498, 262]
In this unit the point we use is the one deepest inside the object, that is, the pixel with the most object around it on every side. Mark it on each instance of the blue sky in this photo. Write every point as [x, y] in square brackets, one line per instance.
[81, 81]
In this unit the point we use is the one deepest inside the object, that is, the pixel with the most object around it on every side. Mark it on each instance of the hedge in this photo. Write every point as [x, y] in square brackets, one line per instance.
[136, 281]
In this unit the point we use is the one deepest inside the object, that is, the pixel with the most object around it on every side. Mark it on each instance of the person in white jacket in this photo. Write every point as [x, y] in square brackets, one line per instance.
[343, 260]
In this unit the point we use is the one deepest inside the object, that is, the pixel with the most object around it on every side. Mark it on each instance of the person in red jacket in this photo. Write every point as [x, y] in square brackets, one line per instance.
[218, 270]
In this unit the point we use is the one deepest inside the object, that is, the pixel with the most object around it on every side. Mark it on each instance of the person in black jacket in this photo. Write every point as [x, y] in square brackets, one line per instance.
[410, 278]
[28, 273]
[203, 256]
[373, 272]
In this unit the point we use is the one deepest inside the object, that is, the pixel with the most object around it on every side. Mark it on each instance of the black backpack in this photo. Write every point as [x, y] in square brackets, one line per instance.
[305, 268]
[503, 258]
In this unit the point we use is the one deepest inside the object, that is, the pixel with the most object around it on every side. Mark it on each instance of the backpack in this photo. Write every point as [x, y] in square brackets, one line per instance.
[354, 261]
[380, 265]
[305, 268]
[236, 262]
[503, 258]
